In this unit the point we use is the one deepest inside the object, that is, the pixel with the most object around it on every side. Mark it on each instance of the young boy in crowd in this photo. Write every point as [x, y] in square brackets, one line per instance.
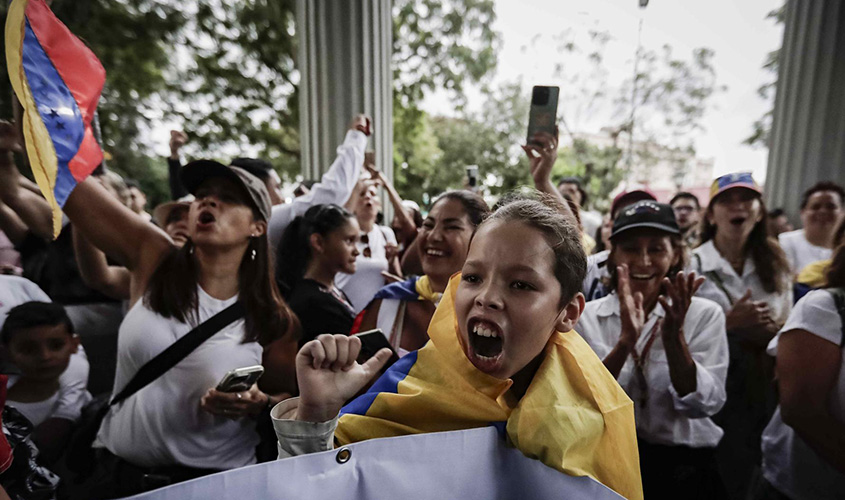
[39, 339]
[501, 351]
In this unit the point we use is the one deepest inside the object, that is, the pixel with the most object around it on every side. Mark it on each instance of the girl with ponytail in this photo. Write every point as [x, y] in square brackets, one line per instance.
[314, 248]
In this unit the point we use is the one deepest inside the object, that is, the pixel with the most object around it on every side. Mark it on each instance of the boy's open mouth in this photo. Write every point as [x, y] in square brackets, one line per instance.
[737, 221]
[486, 344]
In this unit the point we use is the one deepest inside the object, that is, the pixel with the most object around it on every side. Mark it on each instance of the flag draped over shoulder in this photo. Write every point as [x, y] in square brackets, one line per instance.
[574, 417]
[58, 81]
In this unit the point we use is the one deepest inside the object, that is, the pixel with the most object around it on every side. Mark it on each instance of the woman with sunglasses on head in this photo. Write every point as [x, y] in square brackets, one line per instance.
[374, 245]
[666, 348]
[749, 277]
[190, 429]
[315, 247]
[403, 310]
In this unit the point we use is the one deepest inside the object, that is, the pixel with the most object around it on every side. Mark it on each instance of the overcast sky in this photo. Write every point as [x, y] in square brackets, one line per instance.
[737, 31]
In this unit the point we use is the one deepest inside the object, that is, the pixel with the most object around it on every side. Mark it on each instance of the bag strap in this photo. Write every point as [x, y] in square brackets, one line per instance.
[839, 300]
[179, 350]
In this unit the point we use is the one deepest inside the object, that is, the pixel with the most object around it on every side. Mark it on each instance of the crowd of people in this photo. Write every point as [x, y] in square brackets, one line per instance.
[689, 349]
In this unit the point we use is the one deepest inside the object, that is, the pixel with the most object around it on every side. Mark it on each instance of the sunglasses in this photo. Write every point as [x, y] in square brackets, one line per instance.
[365, 239]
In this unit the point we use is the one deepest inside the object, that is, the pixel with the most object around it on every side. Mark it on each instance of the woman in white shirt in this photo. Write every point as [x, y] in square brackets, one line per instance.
[666, 348]
[821, 210]
[178, 427]
[373, 259]
[804, 444]
[748, 276]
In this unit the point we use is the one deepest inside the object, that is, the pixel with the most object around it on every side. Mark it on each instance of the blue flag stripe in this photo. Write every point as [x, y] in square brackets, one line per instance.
[57, 107]
[404, 290]
[389, 382]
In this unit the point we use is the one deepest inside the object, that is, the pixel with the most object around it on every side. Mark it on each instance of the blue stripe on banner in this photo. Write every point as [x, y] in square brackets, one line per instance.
[403, 290]
[57, 107]
[388, 382]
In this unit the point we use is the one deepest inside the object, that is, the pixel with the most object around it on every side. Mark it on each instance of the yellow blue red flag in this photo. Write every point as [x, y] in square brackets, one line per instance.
[58, 81]
[574, 416]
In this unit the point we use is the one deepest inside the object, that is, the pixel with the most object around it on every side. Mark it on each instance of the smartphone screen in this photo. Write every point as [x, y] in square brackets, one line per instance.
[543, 115]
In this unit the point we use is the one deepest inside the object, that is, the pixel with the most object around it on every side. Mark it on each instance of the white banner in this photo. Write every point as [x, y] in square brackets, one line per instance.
[471, 464]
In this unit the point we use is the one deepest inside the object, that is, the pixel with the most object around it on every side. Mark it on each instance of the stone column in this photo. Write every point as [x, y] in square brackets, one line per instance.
[345, 48]
[807, 142]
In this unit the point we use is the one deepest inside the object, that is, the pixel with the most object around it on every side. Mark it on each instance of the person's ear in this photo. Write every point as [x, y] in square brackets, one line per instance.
[318, 245]
[257, 228]
[570, 313]
[74, 342]
[708, 214]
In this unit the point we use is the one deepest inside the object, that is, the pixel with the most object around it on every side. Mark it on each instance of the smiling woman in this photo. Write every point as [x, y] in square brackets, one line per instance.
[403, 310]
[666, 348]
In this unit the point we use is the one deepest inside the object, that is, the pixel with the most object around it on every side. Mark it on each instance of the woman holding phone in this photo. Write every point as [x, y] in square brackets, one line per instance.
[189, 428]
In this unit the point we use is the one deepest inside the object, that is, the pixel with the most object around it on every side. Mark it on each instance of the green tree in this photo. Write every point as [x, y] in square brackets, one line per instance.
[653, 113]
[762, 127]
[227, 70]
[436, 45]
[235, 89]
[131, 39]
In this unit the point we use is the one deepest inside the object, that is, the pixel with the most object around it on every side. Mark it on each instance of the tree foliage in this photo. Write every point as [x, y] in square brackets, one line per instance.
[227, 71]
[131, 39]
[762, 127]
[235, 84]
[654, 112]
[437, 45]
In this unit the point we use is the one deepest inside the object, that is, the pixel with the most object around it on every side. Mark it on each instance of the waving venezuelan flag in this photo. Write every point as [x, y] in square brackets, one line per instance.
[574, 417]
[58, 81]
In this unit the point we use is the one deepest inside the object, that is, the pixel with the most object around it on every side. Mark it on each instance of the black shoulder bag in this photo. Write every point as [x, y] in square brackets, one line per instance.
[80, 454]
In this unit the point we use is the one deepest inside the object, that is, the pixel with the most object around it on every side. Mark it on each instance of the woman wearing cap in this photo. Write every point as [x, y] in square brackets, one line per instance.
[178, 423]
[666, 348]
[749, 277]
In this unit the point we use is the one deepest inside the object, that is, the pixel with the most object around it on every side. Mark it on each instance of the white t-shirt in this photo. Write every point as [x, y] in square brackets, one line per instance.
[789, 464]
[67, 403]
[667, 418]
[799, 251]
[591, 221]
[15, 291]
[367, 280]
[162, 424]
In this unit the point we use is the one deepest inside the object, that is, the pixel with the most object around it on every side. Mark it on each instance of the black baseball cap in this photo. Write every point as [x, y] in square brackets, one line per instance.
[645, 214]
[194, 173]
